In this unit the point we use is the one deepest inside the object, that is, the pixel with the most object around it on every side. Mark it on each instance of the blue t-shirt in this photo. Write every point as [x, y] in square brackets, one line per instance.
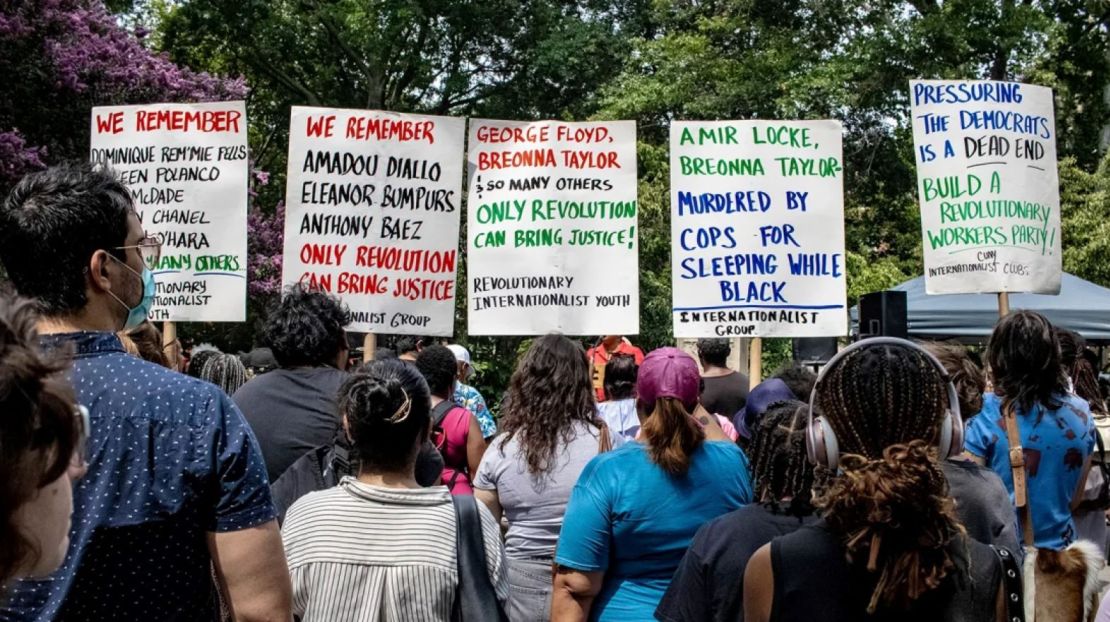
[1056, 444]
[170, 458]
[631, 520]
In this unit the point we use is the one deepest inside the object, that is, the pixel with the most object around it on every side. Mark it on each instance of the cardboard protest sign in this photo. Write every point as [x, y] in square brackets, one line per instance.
[551, 228]
[186, 167]
[757, 229]
[988, 186]
[372, 214]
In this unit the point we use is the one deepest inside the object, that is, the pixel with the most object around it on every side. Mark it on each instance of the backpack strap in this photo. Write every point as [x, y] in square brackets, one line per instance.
[439, 413]
[475, 598]
[1017, 470]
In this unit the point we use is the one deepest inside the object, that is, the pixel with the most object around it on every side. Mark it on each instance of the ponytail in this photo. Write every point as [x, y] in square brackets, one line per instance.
[672, 436]
[895, 514]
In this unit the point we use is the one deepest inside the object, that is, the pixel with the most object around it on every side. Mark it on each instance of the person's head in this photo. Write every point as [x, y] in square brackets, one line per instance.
[965, 374]
[387, 414]
[1024, 359]
[305, 328]
[71, 240]
[437, 364]
[41, 448]
[761, 397]
[798, 378]
[620, 377]
[462, 360]
[200, 356]
[781, 471]
[260, 361]
[147, 340]
[885, 403]
[1081, 366]
[714, 352]
[667, 389]
[549, 392]
[611, 341]
[225, 371]
[411, 345]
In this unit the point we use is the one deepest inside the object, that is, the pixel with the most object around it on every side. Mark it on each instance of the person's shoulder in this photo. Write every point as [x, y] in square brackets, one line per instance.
[156, 382]
[313, 506]
[1074, 404]
[722, 450]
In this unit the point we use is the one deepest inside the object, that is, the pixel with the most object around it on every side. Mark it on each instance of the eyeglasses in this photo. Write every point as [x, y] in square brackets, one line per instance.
[150, 249]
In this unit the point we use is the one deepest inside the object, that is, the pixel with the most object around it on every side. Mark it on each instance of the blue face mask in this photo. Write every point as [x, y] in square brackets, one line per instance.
[137, 315]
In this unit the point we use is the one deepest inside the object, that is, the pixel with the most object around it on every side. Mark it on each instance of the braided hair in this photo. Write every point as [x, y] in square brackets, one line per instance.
[225, 371]
[779, 463]
[890, 505]
[387, 407]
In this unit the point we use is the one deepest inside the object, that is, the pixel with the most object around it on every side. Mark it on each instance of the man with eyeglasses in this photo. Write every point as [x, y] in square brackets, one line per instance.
[176, 484]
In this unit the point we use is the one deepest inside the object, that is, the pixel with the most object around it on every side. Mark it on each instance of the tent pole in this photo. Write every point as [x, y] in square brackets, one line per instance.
[1003, 304]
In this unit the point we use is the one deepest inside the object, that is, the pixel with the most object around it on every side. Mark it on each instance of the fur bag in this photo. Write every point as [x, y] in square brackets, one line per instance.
[1051, 578]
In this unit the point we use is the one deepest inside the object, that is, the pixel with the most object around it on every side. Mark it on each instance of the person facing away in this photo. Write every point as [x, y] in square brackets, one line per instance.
[42, 434]
[550, 431]
[705, 586]
[292, 409]
[634, 510]
[467, 396]
[1056, 428]
[225, 371]
[599, 356]
[409, 346]
[889, 546]
[379, 546]
[724, 391]
[982, 502]
[176, 486]
[618, 411]
[455, 430]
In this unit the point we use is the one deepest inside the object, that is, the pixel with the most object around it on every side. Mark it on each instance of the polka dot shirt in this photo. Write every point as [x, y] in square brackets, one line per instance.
[170, 459]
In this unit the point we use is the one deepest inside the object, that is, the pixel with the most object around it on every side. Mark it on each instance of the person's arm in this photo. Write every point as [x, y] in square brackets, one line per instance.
[759, 586]
[1077, 496]
[490, 499]
[251, 570]
[475, 444]
[573, 594]
[709, 425]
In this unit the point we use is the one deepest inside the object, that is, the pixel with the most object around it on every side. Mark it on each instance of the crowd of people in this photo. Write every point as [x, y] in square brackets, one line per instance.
[139, 480]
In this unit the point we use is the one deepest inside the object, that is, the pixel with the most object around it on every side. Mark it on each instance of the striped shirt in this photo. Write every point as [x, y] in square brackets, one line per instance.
[363, 553]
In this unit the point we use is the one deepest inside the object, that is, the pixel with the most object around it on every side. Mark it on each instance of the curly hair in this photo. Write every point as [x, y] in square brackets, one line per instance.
[1076, 360]
[890, 504]
[549, 391]
[714, 351]
[440, 369]
[1024, 357]
[620, 377]
[966, 375]
[387, 407]
[779, 464]
[798, 378]
[306, 328]
[38, 432]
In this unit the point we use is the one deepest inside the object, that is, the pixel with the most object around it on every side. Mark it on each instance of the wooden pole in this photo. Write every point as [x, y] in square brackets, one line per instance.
[755, 361]
[369, 344]
[1003, 304]
[169, 333]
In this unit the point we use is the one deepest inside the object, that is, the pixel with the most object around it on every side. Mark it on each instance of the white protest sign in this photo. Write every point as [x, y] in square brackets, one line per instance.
[186, 167]
[757, 229]
[988, 186]
[372, 215]
[552, 228]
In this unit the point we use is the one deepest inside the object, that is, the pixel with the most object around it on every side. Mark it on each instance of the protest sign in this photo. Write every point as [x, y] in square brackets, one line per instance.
[988, 186]
[551, 228]
[186, 168]
[372, 215]
[757, 229]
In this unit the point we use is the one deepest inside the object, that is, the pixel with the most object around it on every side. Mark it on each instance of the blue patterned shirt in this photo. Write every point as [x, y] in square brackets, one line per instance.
[469, 398]
[170, 458]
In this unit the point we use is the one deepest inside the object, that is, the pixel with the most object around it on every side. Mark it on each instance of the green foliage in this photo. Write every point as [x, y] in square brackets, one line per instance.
[1085, 207]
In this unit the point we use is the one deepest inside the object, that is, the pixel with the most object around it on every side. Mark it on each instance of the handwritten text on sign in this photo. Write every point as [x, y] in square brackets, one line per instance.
[552, 228]
[757, 229]
[987, 181]
[186, 168]
[372, 215]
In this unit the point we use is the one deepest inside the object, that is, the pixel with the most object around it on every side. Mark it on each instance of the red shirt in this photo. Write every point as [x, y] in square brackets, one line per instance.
[598, 356]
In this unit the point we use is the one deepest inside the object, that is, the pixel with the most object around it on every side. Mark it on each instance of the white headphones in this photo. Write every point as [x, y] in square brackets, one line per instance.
[821, 444]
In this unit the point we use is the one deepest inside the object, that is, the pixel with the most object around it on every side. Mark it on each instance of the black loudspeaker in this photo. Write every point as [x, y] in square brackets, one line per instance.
[883, 314]
[814, 350]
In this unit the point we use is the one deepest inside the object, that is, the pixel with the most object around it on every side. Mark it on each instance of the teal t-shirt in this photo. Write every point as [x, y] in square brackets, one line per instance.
[631, 520]
[1056, 443]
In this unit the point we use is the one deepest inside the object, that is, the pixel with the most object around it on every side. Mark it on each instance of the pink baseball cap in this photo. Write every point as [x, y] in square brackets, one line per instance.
[668, 372]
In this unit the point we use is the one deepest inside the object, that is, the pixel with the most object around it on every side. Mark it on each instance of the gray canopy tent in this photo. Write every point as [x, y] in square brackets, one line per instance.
[1081, 306]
